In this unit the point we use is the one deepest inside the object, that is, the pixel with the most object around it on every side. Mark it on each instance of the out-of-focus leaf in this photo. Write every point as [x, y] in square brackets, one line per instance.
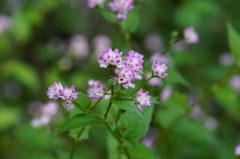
[234, 42]
[133, 20]
[141, 152]
[21, 72]
[174, 107]
[108, 15]
[78, 121]
[127, 105]
[8, 116]
[133, 128]
[175, 77]
[194, 132]
[229, 100]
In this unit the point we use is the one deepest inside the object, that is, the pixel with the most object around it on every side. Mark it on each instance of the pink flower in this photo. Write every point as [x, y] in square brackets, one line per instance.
[94, 3]
[166, 93]
[235, 82]
[125, 76]
[109, 57]
[56, 91]
[237, 150]
[159, 69]
[142, 99]
[134, 60]
[121, 7]
[190, 35]
[96, 90]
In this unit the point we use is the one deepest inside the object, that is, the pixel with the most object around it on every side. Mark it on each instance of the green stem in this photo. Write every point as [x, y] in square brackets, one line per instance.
[113, 133]
[85, 109]
[126, 152]
[93, 106]
[108, 108]
[129, 41]
[140, 86]
[171, 44]
[118, 115]
[75, 143]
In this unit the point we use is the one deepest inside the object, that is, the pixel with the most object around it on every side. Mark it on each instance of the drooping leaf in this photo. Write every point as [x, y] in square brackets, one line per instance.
[78, 121]
[141, 152]
[123, 103]
[234, 42]
[133, 128]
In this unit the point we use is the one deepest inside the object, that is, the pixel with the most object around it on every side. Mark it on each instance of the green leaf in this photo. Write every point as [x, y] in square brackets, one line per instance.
[229, 100]
[175, 77]
[127, 105]
[83, 100]
[171, 109]
[109, 16]
[234, 42]
[186, 128]
[141, 152]
[133, 20]
[133, 128]
[21, 72]
[78, 121]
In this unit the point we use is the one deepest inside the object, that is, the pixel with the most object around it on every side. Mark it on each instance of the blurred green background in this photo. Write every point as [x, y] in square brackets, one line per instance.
[44, 41]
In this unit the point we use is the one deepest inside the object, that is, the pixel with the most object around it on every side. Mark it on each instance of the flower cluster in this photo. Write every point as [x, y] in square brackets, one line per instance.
[159, 69]
[56, 91]
[121, 7]
[142, 99]
[110, 57]
[47, 112]
[190, 35]
[94, 3]
[126, 70]
[96, 89]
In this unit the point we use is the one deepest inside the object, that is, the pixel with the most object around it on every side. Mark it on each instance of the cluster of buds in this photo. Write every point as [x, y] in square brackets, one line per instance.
[56, 91]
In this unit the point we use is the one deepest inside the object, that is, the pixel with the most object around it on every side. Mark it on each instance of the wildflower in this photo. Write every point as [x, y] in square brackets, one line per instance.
[47, 112]
[121, 7]
[134, 60]
[142, 99]
[237, 150]
[5, 23]
[94, 3]
[166, 93]
[125, 76]
[101, 42]
[158, 57]
[159, 69]
[226, 59]
[78, 46]
[235, 82]
[190, 35]
[109, 57]
[56, 91]
[96, 90]
[153, 42]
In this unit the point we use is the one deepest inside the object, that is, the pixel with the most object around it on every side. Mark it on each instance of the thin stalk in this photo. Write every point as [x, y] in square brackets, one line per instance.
[93, 106]
[129, 41]
[113, 133]
[75, 143]
[170, 45]
[126, 152]
[140, 86]
[87, 110]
